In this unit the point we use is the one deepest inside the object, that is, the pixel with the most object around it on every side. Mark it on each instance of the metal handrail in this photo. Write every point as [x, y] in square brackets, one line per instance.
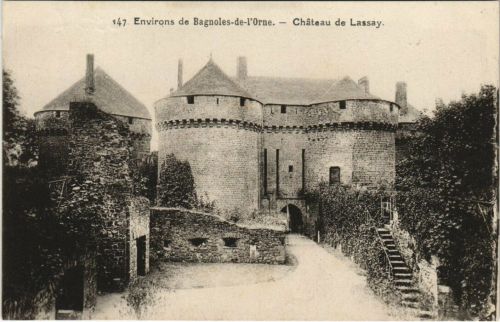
[381, 241]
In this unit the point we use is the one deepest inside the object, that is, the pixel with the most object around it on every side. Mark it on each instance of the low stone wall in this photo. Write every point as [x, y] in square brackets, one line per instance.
[182, 235]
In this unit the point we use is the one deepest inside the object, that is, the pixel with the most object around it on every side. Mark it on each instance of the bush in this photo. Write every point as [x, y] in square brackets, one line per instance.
[176, 186]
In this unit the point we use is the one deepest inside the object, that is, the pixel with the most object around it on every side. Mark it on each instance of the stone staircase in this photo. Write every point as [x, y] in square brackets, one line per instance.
[403, 276]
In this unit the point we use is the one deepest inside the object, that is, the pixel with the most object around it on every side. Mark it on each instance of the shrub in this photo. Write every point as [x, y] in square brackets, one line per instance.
[176, 186]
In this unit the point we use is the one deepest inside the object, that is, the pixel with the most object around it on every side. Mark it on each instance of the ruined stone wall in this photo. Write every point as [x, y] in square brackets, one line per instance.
[220, 141]
[100, 158]
[172, 229]
[139, 226]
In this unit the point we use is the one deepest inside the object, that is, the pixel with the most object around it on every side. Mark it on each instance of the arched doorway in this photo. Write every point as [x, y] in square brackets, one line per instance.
[294, 215]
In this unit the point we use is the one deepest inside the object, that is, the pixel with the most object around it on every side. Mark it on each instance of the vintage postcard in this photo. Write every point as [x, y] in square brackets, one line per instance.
[250, 161]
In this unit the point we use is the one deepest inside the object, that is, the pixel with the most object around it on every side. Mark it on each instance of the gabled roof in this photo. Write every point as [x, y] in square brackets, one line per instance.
[211, 80]
[109, 96]
[302, 91]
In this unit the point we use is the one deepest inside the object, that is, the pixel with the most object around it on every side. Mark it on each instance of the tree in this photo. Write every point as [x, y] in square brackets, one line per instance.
[443, 184]
[176, 186]
[19, 139]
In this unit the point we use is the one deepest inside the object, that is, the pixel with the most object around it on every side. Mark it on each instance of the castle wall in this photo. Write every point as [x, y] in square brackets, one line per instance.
[173, 231]
[374, 158]
[221, 143]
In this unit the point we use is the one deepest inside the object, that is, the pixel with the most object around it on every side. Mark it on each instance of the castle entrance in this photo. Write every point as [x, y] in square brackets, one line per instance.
[294, 215]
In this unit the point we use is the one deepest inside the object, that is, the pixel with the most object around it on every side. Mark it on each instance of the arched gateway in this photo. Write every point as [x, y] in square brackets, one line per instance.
[295, 220]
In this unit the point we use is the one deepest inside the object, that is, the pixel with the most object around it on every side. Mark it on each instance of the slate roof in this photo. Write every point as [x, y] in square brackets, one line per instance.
[302, 91]
[411, 116]
[211, 80]
[109, 96]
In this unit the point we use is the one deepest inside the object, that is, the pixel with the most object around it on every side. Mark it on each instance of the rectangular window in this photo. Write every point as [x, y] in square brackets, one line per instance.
[290, 168]
[190, 99]
[342, 105]
[392, 107]
[58, 113]
[217, 101]
[230, 242]
[130, 120]
[283, 109]
[334, 175]
[242, 101]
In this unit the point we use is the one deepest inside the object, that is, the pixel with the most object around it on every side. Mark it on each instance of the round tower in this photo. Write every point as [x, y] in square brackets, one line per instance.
[215, 125]
[52, 121]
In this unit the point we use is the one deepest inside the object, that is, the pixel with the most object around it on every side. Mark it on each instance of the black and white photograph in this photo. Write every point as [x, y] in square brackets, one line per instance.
[250, 160]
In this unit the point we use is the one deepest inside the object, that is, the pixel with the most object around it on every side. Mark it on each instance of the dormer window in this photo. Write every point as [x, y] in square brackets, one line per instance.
[242, 101]
[283, 109]
[342, 105]
[190, 99]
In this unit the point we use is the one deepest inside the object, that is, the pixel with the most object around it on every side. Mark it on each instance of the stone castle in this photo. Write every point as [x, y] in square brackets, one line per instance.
[253, 143]
[262, 143]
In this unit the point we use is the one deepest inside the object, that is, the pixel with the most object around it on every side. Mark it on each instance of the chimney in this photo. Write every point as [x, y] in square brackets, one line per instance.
[401, 99]
[89, 75]
[364, 83]
[242, 67]
[179, 74]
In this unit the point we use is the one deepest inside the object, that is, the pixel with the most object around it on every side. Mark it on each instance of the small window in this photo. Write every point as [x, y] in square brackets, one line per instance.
[242, 101]
[230, 241]
[217, 101]
[58, 113]
[130, 120]
[283, 109]
[392, 107]
[167, 243]
[197, 242]
[290, 168]
[190, 99]
[334, 175]
[342, 105]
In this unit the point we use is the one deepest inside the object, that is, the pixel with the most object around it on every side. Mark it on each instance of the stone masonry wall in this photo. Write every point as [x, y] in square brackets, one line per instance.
[189, 236]
[224, 161]
[139, 226]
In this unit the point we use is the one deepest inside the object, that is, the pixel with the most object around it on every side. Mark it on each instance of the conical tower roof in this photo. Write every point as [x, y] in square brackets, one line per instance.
[109, 96]
[211, 80]
[344, 89]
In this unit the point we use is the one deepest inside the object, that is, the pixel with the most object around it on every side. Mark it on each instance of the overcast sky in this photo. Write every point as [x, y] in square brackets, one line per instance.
[441, 49]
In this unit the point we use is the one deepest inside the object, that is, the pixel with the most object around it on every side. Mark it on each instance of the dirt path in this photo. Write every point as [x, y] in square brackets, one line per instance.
[321, 287]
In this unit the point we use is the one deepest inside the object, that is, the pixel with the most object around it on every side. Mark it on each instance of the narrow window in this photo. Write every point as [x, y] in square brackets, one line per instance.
[242, 101]
[265, 171]
[190, 99]
[130, 120]
[334, 175]
[166, 243]
[197, 242]
[217, 101]
[277, 171]
[303, 170]
[283, 109]
[290, 168]
[342, 105]
[230, 242]
[392, 107]
[58, 113]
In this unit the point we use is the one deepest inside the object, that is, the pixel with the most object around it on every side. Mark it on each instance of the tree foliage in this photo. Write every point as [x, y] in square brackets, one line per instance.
[176, 186]
[19, 139]
[446, 194]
